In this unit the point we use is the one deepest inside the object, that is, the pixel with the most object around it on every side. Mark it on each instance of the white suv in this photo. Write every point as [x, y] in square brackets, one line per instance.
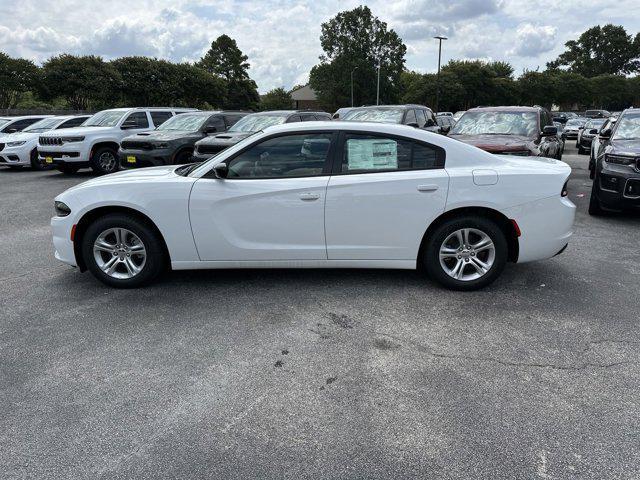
[95, 144]
[18, 149]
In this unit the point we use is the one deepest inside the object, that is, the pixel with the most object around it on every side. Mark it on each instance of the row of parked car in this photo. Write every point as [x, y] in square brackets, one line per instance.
[140, 137]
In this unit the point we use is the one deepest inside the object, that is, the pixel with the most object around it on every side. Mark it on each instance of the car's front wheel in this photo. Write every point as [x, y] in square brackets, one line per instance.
[104, 160]
[466, 253]
[595, 208]
[123, 251]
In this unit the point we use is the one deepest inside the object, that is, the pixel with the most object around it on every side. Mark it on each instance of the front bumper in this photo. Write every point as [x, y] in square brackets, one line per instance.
[618, 187]
[61, 228]
[73, 152]
[546, 226]
[14, 156]
[570, 135]
[145, 158]
[585, 142]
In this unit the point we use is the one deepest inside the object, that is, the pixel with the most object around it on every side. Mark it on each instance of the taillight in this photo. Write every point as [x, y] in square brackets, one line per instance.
[565, 189]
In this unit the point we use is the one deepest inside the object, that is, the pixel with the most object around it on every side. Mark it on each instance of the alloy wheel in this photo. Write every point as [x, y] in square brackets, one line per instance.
[467, 254]
[107, 161]
[119, 253]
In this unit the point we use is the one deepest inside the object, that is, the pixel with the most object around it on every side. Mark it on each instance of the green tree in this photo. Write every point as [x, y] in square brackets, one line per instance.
[226, 61]
[17, 76]
[606, 50]
[611, 92]
[537, 88]
[356, 39]
[86, 82]
[421, 89]
[276, 99]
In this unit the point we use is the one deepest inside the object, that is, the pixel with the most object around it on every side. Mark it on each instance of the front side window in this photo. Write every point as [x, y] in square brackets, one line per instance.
[106, 118]
[497, 123]
[302, 155]
[411, 117]
[628, 127]
[218, 122]
[137, 120]
[422, 119]
[372, 153]
[73, 122]
[308, 118]
[594, 124]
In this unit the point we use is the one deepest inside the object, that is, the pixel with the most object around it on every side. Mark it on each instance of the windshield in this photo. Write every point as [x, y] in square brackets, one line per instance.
[381, 115]
[628, 127]
[106, 118]
[576, 122]
[594, 124]
[497, 123]
[184, 122]
[43, 125]
[255, 123]
[4, 121]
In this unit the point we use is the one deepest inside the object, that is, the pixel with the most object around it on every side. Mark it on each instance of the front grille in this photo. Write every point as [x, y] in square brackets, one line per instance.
[133, 145]
[50, 141]
[207, 149]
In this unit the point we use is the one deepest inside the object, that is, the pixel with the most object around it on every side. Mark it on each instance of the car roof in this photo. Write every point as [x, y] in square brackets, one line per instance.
[25, 117]
[505, 109]
[406, 105]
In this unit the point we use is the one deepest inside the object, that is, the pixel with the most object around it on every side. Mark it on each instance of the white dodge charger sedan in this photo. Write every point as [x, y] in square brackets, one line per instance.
[322, 195]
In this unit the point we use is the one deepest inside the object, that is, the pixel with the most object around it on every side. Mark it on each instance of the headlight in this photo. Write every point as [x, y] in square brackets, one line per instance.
[72, 139]
[161, 145]
[62, 210]
[619, 159]
[16, 144]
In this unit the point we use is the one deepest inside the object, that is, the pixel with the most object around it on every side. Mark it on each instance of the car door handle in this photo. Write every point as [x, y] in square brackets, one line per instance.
[309, 196]
[427, 188]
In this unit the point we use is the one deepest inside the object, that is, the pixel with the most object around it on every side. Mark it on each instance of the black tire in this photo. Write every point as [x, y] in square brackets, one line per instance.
[36, 163]
[104, 161]
[431, 256]
[581, 150]
[183, 157]
[154, 263]
[68, 169]
[595, 209]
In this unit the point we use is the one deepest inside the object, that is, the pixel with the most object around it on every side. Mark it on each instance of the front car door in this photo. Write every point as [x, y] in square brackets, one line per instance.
[271, 205]
[384, 193]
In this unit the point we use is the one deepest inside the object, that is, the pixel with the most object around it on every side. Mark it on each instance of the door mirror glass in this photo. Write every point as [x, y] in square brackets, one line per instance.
[606, 133]
[221, 170]
[593, 131]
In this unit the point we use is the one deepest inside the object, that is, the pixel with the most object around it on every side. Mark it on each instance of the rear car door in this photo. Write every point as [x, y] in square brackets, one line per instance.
[382, 196]
[270, 206]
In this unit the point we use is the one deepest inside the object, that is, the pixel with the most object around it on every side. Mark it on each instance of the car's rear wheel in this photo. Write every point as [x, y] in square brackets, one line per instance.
[466, 253]
[123, 251]
[104, 160]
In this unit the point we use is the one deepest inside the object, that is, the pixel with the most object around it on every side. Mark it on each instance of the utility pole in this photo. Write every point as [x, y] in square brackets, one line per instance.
[378, 88]
[354, 69]
[440, 38]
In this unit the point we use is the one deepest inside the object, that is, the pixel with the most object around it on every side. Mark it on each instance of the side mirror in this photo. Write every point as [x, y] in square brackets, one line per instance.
[549, 131]
[605, 133]
[580, 128]
[413, 124]
[210, 129]
[221, 170]
[593, 131]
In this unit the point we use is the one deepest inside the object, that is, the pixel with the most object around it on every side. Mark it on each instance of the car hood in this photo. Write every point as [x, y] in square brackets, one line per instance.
[226, 138]
[128, 176]
[160, 135]
[69, 132]
[494, 143]
[18, 137]
[630, 147]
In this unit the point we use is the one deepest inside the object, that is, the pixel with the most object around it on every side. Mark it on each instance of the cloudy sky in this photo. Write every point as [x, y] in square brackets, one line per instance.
[281, 37]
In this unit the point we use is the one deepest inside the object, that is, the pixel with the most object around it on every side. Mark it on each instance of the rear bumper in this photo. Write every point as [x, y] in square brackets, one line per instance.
[546, 226]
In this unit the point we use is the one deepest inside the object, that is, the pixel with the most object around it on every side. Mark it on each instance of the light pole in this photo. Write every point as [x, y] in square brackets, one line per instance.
[440, 38]
[378, 87]
[354, 69]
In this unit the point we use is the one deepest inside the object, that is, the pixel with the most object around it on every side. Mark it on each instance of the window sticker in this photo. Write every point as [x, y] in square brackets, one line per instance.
[372, 154]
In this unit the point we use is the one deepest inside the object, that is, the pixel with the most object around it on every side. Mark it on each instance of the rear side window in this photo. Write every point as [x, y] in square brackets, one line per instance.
[372, 153]
[159, 118]
[293, 118]
[20, 125]
[137, 120]
[73, 122]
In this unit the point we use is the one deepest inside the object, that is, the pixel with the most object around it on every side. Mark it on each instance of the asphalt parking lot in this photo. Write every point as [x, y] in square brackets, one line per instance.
[323, 374]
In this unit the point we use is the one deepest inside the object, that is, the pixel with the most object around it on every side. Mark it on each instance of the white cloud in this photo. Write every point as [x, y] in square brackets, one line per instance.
[533, 40]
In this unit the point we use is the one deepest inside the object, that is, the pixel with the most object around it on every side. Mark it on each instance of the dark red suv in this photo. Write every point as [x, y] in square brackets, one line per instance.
[524, 131]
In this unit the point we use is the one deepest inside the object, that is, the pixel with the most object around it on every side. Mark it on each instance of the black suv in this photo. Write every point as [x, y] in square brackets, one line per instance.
[616, 185]
[173, 141]
[417, 116]
[207, 147]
